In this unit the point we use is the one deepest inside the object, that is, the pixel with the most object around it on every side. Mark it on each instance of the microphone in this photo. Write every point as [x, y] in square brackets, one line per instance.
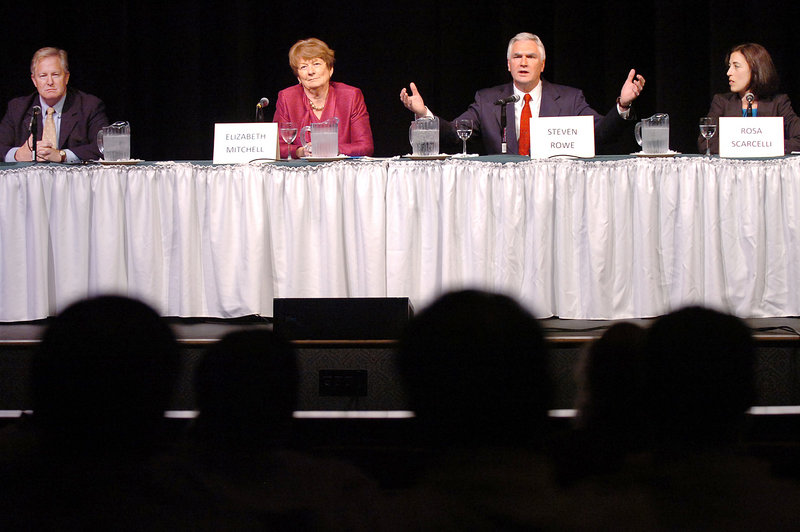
[508, 99]
[34, 128]
[34, 123]
[260, 106]
[749, 97]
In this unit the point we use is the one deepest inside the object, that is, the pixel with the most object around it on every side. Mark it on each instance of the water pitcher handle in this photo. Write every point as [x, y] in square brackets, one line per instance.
[305, 139]
[100, 140]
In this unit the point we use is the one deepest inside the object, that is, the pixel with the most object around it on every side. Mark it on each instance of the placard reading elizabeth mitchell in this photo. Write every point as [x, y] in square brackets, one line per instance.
[562, 135]
[242, 143]
[753, 136]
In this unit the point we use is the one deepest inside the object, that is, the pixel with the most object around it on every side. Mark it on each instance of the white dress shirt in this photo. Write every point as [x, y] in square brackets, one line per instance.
[536, 103]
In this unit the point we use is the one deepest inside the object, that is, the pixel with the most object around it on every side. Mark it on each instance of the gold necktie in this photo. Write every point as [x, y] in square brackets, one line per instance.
[49, 134]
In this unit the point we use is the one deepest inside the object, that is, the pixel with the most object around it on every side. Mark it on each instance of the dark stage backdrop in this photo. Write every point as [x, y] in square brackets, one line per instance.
[174, 69]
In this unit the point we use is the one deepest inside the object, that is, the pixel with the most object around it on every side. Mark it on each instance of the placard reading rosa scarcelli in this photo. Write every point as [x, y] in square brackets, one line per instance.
[753, 136]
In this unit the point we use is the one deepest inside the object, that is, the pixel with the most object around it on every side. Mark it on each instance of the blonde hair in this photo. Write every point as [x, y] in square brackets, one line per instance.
[49, 51]
[306, 49]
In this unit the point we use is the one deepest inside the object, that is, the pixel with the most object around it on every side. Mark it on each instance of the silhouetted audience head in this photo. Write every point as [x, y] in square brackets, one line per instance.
[610, 415]
[700, 377]
[475, 369]
[611, 381]
[103, 376]
[246, 386]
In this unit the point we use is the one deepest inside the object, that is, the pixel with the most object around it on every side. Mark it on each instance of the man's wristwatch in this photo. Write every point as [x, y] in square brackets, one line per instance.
[63, 155]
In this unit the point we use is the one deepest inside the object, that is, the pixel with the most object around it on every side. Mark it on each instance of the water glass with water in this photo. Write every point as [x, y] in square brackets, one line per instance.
[708, 128]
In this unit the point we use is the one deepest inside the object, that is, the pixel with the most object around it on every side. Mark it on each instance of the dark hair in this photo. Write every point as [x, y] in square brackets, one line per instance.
[611, 381]
[246, 387]
[763, 76]
[700, 376]
[475, 368]
[104, 374]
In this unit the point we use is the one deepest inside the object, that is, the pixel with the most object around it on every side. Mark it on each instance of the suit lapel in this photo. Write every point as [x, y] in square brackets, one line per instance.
[511, 124]
[330, 104]
[767, 108]
[549, 105]
[69, 119]
[734, 106]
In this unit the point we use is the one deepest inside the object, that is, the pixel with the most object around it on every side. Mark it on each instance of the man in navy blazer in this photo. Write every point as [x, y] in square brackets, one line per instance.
[78, 116]
[526, 58]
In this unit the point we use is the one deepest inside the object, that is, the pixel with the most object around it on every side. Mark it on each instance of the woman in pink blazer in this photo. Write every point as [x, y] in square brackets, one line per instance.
[317, 98]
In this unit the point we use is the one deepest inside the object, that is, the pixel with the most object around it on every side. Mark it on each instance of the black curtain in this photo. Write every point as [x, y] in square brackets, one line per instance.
[175, 69]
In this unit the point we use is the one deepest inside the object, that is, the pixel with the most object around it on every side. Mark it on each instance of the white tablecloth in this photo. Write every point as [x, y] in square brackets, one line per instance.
[603, 239]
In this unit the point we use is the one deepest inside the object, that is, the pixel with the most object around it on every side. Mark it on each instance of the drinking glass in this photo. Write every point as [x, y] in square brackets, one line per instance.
[464, 131]
[707, 128]
[288, 134]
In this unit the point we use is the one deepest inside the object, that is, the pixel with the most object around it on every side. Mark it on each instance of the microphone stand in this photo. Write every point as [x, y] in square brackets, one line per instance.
[34, 129]
[504, 144]
[749, 108]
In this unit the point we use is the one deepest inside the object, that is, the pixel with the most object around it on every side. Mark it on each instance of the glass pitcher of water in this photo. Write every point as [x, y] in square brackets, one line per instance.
[424, 136]
[114, 141]
[652, 134]
[324, 138]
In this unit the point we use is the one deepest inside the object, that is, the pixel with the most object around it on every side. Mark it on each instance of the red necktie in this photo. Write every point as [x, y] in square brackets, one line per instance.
[525, 127]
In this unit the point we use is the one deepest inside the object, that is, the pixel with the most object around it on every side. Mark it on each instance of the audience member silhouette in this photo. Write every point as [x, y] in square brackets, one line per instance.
[246, 387]
[101, 381]
[610, 417]
[475, 369]
[700, 379]
[104, 376]
[241, 460]
[700, 384]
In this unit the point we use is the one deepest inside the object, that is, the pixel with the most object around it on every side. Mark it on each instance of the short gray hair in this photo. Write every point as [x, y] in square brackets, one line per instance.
[524, 36]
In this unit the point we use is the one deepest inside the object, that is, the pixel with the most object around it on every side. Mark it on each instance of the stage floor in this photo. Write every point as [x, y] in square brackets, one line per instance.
[200, 331]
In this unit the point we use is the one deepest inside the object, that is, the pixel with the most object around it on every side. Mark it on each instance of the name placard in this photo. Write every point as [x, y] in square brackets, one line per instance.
[562, 135]
[756, 136]
[242, 143]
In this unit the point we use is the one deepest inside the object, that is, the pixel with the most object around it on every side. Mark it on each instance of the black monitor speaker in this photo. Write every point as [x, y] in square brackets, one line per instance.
[352, 318]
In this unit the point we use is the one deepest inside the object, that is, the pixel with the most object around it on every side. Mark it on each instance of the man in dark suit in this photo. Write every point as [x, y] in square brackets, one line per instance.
[526, 57]
[77, 116]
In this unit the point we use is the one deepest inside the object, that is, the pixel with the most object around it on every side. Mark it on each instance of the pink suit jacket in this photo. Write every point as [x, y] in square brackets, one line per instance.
[344, 102]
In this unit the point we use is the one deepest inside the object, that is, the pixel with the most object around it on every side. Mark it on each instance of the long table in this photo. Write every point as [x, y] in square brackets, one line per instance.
[605, 238]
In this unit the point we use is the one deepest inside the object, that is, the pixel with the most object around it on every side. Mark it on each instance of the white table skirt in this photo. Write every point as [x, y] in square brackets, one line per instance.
[577, 239]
